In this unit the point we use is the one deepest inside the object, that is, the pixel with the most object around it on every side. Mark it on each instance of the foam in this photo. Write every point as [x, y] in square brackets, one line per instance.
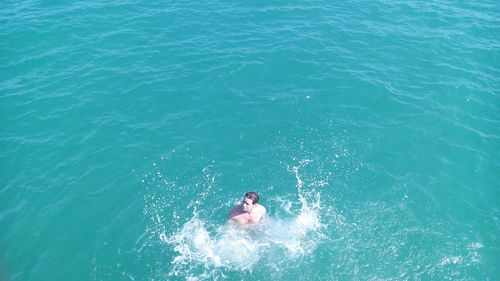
[292, 231]
[242, 247]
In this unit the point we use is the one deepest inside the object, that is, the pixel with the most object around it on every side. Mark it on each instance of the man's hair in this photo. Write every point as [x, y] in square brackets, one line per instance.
[252, 196]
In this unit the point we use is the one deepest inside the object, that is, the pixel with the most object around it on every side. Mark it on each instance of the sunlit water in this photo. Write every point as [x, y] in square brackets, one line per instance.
[130, 129]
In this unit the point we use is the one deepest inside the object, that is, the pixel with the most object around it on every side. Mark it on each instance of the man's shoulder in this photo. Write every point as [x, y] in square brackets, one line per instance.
[235, 211]
[261, 209]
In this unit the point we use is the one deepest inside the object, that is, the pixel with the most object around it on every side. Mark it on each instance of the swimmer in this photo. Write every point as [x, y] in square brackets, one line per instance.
[248, 212]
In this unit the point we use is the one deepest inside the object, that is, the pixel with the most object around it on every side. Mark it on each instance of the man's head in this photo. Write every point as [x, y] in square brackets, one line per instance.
[249, 201]
[253, 196]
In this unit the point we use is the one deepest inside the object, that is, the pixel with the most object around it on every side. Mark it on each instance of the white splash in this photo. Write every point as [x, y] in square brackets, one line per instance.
[292, 231]
[241, 247]
[451, 260]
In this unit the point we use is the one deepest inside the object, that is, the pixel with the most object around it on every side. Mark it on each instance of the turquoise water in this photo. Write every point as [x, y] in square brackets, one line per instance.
[129, 130]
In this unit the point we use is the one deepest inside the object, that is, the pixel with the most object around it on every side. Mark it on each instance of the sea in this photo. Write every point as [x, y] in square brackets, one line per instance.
[130, 128]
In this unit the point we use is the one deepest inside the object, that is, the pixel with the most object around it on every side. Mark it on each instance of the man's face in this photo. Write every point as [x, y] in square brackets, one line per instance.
[247, 204]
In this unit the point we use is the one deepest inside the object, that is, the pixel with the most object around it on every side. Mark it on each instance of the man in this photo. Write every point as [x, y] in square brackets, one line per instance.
[248, 212]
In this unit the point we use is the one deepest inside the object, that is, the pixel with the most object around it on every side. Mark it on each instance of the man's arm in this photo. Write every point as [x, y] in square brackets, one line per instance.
[259, 214]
